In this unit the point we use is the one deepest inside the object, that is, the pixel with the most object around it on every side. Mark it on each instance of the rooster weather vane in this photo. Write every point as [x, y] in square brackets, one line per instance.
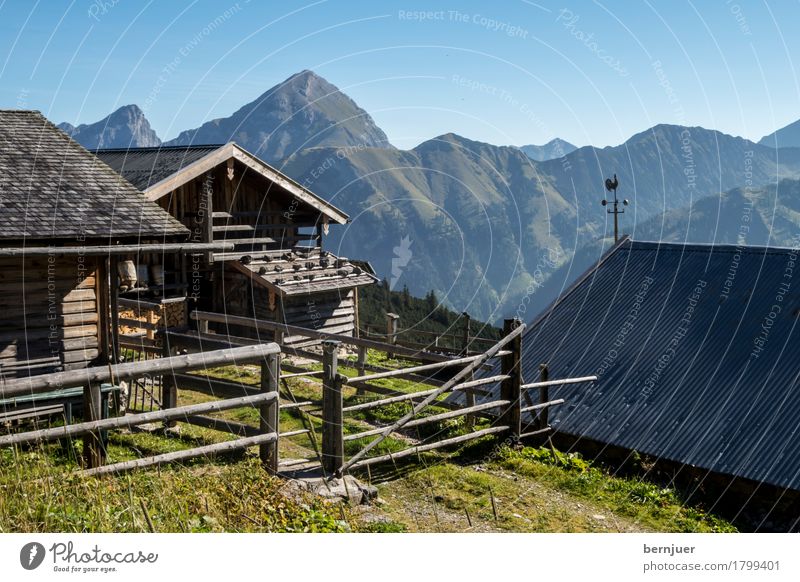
[611, 186]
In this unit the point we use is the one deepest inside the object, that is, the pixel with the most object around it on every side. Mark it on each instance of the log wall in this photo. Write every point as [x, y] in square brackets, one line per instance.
[49, 314]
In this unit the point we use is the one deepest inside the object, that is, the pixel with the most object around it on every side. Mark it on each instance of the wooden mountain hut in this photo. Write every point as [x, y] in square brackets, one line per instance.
[278, 269]
[66, 222]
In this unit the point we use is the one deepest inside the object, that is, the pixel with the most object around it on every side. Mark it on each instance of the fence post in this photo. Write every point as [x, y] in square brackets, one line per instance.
[269, 412]
[202, 326]
[392, 320]
[466, 332]
[332, 433]
[93, 451]
[510, 388]
[469, 395]
[544, 396]
[361, 363]
[169, 389]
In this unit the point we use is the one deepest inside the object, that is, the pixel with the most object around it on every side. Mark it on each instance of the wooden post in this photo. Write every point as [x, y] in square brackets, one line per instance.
[510, 389]
[93, 452]
[466, 333]
[114, 290]
[469, 394]
[270, 412]
[544, 396]
[208, 217]
[357, 330]
[361, 362]
[332, 434]
[392, 320]
[169, 389]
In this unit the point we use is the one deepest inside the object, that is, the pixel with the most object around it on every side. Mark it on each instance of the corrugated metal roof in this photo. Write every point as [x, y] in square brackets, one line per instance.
[695, 349]
[144, 167]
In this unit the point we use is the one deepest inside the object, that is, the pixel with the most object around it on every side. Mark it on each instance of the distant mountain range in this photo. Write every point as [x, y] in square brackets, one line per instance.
[305, 111]
[556, 148]
[785, 137]
[485, 225]
[127, 127]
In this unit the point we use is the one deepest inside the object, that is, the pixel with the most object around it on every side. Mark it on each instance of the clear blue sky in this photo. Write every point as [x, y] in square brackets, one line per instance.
[509, 72]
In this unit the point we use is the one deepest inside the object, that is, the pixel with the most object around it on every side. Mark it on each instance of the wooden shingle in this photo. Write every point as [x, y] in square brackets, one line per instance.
[51, 188]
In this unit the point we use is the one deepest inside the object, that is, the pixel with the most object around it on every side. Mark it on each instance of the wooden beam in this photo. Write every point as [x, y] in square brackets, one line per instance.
[269, 413]
[510, 389]
[265, 325]
[82, 428]
[458, 378]
[106, 250]
[413, 370]
[203, 451]
[129, 370]
[562, 382]
[434, 418]
[332, 435]
[430, 447]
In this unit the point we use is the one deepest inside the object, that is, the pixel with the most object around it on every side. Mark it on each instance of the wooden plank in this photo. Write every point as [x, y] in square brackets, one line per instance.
[429, 447]
[415, 369]
[269, 412]
[93, 449]
[128, 370]
[82, 428]
[264, 325]
[511, 387]
[107, 250]
[332, 435]
[222, 425]
[343, 306]
[543, 405]
[434, 418]
[562, 382]
[214, 386]
[457, 379]
[203, 451]
[22, 349]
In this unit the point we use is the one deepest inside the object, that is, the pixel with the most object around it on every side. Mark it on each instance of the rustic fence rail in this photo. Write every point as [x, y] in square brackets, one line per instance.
[181, 353]
[505, 412]
[268, 355]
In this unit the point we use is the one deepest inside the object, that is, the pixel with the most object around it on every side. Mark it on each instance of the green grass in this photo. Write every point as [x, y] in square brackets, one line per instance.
[534, 490]
[40, 492]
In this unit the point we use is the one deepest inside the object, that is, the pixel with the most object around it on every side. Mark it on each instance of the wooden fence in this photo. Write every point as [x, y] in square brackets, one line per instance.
[456, 342]
[91, 429]
[505, 413]
[433, 376]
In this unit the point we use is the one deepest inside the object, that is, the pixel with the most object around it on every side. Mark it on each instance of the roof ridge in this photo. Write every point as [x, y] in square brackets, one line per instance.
[714, 247]
[158, 148]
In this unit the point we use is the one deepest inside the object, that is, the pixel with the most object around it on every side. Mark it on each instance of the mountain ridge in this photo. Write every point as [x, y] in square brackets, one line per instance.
[555, 148]
[125, 127]
[303, 111]
[487, 224]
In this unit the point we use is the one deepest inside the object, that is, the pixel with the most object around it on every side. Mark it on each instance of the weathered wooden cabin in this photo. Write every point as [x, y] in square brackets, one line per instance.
[66, 220]
[278, 269]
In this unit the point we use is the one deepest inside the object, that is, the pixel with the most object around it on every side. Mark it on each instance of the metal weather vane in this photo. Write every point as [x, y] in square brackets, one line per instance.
[611, 186]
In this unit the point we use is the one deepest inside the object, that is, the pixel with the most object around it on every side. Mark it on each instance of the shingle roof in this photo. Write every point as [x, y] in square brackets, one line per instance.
[144, 167]
[292, 272]
[53, 188]
[158, 171]
[695, 349]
